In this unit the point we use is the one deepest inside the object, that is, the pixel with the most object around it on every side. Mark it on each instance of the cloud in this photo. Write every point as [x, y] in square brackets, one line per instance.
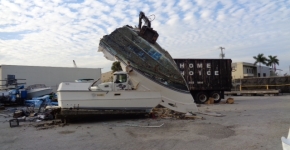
[55, 32]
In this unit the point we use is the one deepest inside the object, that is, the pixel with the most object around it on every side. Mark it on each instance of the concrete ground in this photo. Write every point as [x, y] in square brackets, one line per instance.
[250, 123]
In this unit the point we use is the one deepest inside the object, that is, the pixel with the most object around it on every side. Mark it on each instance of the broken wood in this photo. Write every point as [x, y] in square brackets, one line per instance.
[230, 101]
[211, 100]
[207, 102]
[18, 113]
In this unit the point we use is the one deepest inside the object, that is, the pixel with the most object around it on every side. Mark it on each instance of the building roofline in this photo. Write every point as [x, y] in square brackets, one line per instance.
[46, 66]
[249, 64]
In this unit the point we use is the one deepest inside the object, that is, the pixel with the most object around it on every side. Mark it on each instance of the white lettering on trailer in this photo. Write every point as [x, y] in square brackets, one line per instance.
[216, 73]
[199, 65]
[208, 73]
[191, 73]
[191, 82]
[181, 65]
[199, 72]
[190, 70]
[208, 65]
[190, 65]
[182, 73]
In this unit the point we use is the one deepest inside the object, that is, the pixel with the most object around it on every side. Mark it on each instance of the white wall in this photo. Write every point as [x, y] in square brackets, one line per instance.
[263, 70]
[50, 76]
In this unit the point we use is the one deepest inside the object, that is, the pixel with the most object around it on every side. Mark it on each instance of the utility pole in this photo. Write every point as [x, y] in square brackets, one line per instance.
[222, 55]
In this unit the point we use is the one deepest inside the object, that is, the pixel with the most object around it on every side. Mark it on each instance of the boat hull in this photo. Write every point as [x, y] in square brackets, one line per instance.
[153, 68]
[172, 99]
[82, 98]
[38, 92]
[149, 59]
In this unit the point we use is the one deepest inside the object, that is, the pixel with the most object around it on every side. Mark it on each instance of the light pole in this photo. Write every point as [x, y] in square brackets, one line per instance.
[222, 55]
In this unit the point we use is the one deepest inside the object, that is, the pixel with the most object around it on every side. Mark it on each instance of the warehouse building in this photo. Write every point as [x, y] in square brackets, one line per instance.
[50, 76]
[242, 70]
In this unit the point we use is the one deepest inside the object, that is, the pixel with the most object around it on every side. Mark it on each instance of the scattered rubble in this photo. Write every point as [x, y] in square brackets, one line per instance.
[48, 125]
[18, 113]
[209, 113]
[165, 113]
[41, 116]
[134, 125]
[28, 114]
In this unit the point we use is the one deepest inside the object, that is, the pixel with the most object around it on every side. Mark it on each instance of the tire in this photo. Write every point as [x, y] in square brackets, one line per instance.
[216, 96]
[201, 98]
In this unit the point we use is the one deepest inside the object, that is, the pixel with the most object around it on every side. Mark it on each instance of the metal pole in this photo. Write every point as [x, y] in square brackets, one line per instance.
[222, 53]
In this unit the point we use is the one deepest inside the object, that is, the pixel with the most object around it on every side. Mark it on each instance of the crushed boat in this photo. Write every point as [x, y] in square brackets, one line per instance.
[151, 77]
[154, 68]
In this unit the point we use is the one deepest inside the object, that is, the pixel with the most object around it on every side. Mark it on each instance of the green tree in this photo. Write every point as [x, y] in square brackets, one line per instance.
[273, 61]
[116, 66]
[260, 59]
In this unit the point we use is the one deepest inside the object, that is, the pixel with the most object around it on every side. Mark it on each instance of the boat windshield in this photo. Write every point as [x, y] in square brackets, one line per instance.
[120, 78]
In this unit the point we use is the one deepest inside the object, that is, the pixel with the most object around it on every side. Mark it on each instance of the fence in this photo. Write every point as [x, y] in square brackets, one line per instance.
[266, 83]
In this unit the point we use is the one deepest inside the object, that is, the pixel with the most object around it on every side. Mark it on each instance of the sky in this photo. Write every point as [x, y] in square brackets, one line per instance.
[56, 32]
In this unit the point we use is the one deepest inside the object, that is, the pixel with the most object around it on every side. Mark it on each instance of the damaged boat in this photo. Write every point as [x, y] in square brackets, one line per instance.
[151, 76]
[37, 90]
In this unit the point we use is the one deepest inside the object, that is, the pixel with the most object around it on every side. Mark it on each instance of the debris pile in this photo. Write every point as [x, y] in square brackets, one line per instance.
[48, 125]
[30, 114]
[165, 113]
[41, 102]
[34, 110]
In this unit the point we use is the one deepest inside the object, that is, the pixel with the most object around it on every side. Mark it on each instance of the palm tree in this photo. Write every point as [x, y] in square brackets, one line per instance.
[261, 59]
[273, 61]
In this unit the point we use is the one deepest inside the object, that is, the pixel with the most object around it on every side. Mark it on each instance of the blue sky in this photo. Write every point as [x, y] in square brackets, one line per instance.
[55, 32]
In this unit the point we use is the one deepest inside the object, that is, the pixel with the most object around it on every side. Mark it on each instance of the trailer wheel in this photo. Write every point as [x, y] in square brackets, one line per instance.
[216, 96]
[201, 98]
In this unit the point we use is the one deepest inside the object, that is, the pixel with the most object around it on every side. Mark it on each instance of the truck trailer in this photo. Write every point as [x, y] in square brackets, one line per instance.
[206, 77]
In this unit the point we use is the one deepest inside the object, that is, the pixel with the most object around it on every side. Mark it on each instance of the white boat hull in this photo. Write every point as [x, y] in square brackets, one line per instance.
[77, 95]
